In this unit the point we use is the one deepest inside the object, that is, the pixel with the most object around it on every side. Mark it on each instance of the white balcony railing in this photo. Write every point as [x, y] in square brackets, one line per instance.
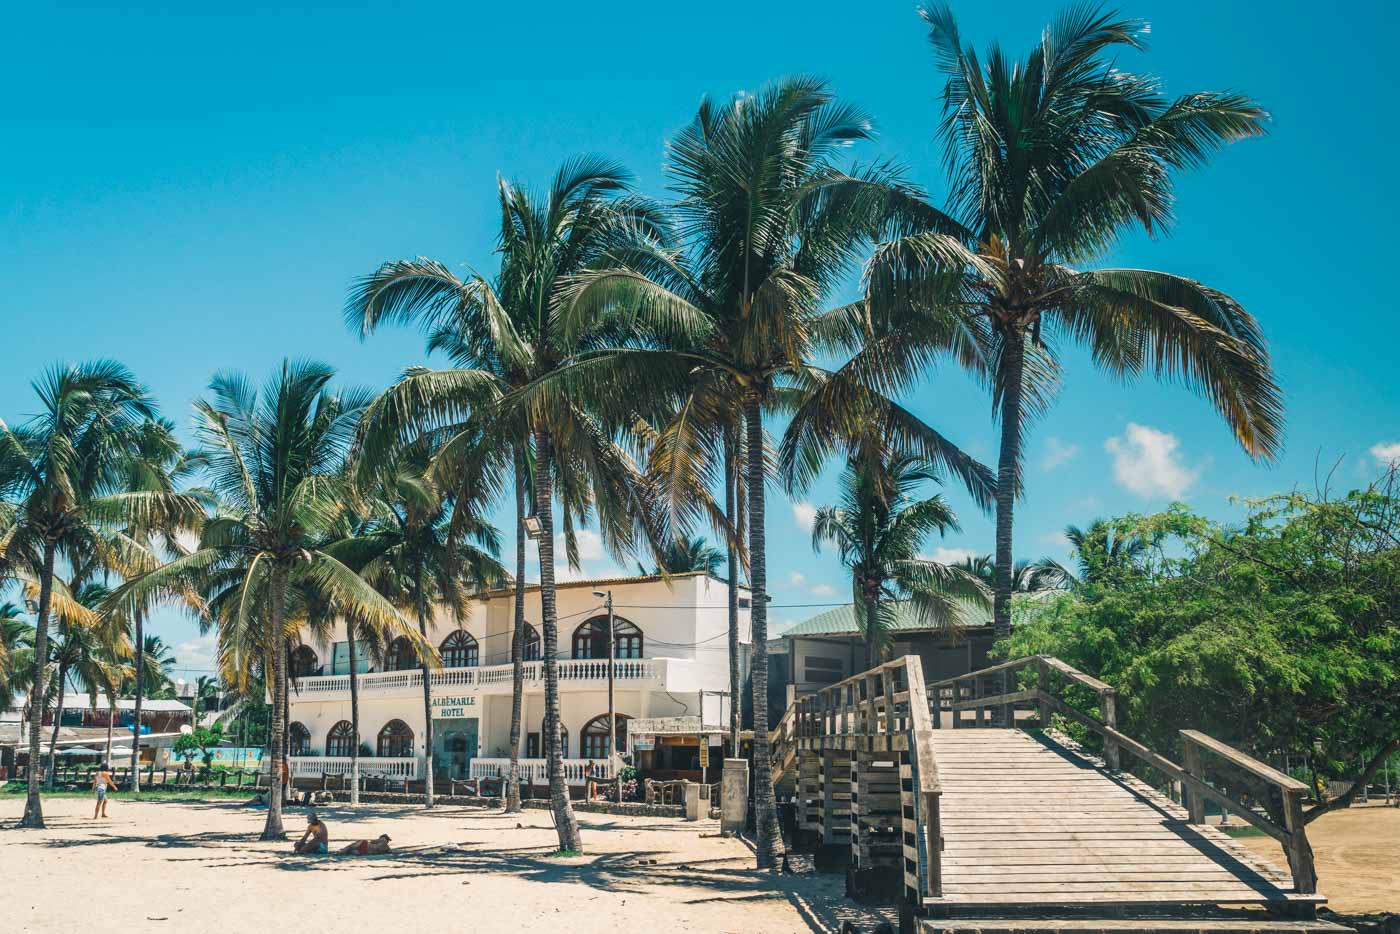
[573, 672]
[316, 766]
[536, 772]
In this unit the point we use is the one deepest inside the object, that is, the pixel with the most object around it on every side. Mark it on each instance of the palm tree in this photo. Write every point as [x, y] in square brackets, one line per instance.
[1101, 550]
[505, 336]
[685, 555]
[157, 662]
[1026, 576]
[16, 646]
[82, 653]
[772, 228]
[1051, 160]
[419, 560]
[206, 691]
[878, 531]
[275, 462]
[62, 472]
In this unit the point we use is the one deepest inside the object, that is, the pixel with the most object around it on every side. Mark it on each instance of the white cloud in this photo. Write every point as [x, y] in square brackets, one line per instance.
[590, 545]
[804, 514]
[823, 590]
[1148, 462]
[1055, 540]
[1387, 453]
[945, 555]
[796, 579]
[1057, 453]
[196, 653]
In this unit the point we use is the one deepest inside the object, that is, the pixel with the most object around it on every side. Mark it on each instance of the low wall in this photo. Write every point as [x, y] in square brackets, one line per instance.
[633, 808]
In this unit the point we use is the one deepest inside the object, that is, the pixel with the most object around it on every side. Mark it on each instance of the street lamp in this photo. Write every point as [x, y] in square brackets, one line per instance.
[606, 597]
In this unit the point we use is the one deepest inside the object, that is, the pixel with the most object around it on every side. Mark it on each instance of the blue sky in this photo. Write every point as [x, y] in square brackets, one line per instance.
[188, 190]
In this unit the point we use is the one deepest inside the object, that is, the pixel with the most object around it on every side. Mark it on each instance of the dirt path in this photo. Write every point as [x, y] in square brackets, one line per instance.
[1358, 858]
[179, 866]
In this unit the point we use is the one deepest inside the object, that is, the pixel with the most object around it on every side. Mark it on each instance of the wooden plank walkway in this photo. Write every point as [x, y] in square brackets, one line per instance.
[1027, 820]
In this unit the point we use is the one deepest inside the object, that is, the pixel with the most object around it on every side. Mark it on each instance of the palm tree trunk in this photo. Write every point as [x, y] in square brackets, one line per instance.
[564, 820]
[57, 722]
[354, 717]
[427, 705]
[111, 713]
[517, 641]
[273, 830]
[872, 629]
[33, 806]
[1008, 471]
[769, 841]
[731, 483]
[140, 623]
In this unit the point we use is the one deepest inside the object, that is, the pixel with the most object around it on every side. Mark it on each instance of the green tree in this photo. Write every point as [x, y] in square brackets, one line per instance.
[82, 653]
[62, 474]
[1278, 635]
[878, 531]
[1051, 161]
[683, 555]
[275, 461]
[16, 648]
[505, 334]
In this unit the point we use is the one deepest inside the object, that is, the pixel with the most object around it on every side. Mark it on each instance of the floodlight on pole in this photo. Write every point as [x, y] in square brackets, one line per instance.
[533, 529]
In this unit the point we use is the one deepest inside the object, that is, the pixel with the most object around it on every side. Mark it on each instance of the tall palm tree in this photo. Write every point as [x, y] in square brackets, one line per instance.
[878, 531]
[157, 662]
[419, 562]
[687, 554]
[206, 692]
[772, 227]
[63, 474]
[275, 461]
[82, 652]
[1051, 160]
[504, 334]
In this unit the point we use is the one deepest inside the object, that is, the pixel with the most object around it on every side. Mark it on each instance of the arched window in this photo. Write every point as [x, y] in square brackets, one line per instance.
[304, 662]
[591, 639]
[298, 740]
[340, 741]
[396, 739]
[532, 644]
[401, 656]
[594, 741]
[459, 650]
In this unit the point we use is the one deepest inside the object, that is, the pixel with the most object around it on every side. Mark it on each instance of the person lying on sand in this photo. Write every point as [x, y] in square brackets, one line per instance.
[316, 838]
[368, 847]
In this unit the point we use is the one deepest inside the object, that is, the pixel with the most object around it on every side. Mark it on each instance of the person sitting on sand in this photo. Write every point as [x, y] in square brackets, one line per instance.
[100, 783]
[316, 840]
[368, 847]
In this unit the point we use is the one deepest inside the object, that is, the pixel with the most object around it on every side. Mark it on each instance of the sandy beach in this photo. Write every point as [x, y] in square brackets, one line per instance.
[164, 866]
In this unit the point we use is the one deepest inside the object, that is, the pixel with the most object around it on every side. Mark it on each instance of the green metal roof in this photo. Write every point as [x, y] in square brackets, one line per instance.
[842, 620]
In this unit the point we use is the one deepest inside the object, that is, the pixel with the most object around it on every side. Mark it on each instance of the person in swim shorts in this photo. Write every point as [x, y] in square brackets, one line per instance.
[100, 783]
[367, 847]
[316, 839]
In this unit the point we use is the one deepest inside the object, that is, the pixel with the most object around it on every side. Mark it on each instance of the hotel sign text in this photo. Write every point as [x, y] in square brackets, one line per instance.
[451, 708]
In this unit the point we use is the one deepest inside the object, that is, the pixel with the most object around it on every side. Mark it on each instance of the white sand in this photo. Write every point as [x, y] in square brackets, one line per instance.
[166, 866]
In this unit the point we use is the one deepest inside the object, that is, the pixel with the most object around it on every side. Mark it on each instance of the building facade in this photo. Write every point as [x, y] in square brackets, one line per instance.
[671, 659]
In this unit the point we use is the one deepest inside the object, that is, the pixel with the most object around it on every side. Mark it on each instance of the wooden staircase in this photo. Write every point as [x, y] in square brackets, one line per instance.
[1003, 829]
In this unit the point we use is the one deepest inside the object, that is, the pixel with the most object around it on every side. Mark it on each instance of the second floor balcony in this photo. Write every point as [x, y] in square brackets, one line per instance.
[575, 674]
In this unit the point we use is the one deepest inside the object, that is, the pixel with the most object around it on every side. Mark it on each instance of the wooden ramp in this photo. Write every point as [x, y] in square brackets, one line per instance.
[1027, 820]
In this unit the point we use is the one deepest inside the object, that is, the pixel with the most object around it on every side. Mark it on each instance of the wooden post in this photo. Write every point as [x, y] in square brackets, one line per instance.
[977, 695]
[1300, 854]
[1108, 703]
[1043, 684]
[1195, 804]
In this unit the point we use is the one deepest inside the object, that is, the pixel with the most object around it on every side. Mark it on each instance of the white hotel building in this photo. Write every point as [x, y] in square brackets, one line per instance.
[671, 658]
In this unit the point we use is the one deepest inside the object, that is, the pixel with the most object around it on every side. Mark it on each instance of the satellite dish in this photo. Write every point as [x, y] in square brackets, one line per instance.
[186, 729]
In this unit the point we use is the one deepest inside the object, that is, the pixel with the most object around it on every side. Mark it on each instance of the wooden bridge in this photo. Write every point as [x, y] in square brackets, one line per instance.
[1002, 828]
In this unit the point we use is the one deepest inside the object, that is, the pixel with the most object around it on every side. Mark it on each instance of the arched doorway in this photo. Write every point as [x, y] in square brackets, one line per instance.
[593, 742]
[305, 664]
[400, 656]
[340, 741]
[395, 740]
[298, 739]
[460, 650]
[531, 652]
[591, 638]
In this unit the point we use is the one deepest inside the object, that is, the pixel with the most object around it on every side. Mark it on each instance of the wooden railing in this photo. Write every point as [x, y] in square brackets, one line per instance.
[883, 710]
[969, 693]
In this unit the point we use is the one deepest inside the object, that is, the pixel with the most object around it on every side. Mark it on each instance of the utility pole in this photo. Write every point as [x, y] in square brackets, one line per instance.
[612, 706]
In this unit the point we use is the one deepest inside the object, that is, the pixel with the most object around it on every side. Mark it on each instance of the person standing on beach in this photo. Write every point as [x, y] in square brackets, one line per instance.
[100, 783]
